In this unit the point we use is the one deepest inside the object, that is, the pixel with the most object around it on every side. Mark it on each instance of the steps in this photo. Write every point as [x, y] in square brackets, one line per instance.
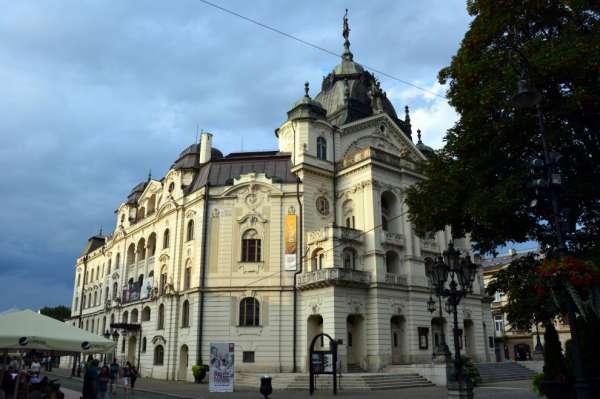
[355, 368]
[504, 371]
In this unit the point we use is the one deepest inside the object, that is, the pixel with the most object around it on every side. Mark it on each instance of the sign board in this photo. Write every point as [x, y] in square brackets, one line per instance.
[322, 362]
[221, 368]
[290, 237]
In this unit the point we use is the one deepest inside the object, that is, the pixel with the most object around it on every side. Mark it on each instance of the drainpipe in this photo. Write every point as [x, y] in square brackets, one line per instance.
[202, 277]
[76, 358]
[298, 271]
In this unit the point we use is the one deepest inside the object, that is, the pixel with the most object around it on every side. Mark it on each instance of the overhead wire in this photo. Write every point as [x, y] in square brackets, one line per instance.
[315, 46]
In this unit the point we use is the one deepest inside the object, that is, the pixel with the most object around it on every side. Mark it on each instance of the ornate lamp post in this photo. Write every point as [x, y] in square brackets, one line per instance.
[443, 347]
[461, 272]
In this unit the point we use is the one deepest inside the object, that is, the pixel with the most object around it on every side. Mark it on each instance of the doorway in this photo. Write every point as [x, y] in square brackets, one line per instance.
[356, 340]
[397, 327]
[183, 363]
[131, 349]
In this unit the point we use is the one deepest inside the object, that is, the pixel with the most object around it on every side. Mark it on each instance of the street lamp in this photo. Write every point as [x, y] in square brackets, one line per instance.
[461, 272]
[442, 348]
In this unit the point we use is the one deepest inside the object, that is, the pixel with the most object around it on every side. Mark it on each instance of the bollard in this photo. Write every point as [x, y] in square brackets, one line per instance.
[265, 386]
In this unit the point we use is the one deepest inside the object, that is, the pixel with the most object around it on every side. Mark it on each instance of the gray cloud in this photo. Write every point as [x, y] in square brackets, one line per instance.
[96, 93]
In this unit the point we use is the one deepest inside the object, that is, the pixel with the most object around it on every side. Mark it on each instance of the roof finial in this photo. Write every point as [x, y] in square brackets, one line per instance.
[346, 33]
[419, 135]
[306, 89]
[100, 233]
[149, 174]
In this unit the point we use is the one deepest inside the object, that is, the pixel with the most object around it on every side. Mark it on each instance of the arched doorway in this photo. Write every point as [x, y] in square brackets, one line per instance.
[469, 337]
[398, 339]
[314, 326]
[183, 363]
[356, 340]
[522, 352]
[131, 349]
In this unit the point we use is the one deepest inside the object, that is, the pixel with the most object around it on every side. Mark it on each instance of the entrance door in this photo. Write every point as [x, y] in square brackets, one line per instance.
[356, 340]
[183, 363]
[397, 338]
[131, 350]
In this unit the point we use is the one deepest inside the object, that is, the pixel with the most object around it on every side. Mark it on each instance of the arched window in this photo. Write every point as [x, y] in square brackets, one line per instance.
[141, 250]
[151, 204]
[87, 325]
[130, 283]
[166, 239]
[98, 273]
[185, 314]
[90, 304]
[92, 330]
[251, 246]
[140, 281]
[115, 290]
[321, 148]
[117, 261]
[391, 263]
[144, 344]
[187, 277]
[134, 316]
[317, 259]
[112, 318]
[130, 254]
[106, 294]
[95, 298]
[109, 267]
[125, 317]
[159, 355]
[163, 280]
[350, 258]
[190, 230]
[123, 345]
[152, 244]
[249, 312]
[146, 314]
[388, 211]
[161, 317]
[141, 213]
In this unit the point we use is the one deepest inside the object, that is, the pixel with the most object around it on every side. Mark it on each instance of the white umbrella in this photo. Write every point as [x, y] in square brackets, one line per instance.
[26, 329]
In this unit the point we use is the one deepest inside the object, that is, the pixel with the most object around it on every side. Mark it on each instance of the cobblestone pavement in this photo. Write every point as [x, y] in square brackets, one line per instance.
[158, 389]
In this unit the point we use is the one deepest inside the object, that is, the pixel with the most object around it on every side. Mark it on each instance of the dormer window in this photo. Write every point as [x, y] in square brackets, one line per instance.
[321, 148]
[171, 187]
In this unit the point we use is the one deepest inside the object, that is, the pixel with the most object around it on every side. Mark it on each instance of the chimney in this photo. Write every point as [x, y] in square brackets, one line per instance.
[205, 147]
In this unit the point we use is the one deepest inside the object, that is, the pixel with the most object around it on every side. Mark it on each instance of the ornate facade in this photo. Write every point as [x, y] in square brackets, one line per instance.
[201, 255]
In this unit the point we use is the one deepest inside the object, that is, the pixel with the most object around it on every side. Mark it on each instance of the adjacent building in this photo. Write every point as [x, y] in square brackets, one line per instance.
[269, 249]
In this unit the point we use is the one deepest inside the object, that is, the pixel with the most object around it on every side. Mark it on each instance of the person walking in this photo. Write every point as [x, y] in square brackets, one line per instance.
[134, 375]
[114, 374]
[89, 380]
[126, 377]
[102, 384]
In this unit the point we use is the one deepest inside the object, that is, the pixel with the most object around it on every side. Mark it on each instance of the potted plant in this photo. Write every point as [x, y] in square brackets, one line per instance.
[199, 371]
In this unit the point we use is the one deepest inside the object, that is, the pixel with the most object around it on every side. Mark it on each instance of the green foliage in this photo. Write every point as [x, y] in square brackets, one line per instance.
[537, 384]
[519, 282]
[199, 371]
[554, 362]
[60, 312]
[478, 182]
[470, 370]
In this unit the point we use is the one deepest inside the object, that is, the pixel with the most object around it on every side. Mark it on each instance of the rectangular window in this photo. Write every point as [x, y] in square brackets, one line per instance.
[491, 342]
[251, 250]
[248, 357]
[423, 337]
[499, 323]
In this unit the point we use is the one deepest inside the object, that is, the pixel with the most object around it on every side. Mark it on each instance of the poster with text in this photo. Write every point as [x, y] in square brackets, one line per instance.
[147, 287]
[289, 235]
[221, 369]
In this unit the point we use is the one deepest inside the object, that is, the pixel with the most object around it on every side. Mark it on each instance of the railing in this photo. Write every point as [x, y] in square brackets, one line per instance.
[387, 237]
[335, 233]
[333, 276]
[395, 279]
[429, 245]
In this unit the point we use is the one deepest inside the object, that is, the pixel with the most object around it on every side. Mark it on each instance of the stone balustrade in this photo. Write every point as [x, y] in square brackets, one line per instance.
[333, 276]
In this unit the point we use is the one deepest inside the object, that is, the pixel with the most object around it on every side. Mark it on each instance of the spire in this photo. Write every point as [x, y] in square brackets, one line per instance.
[149, 174]
[406, 115]
[100, 232]
[348, 56]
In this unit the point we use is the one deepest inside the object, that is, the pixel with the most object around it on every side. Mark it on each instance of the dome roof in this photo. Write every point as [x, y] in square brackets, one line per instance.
[190, 157]
[306, 107]
[425, 149]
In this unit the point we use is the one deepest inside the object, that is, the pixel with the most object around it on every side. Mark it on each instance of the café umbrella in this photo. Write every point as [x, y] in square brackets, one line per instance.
[26, 329]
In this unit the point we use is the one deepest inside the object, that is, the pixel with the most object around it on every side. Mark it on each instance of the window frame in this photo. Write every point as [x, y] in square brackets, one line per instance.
[252, 305]
[321, 148]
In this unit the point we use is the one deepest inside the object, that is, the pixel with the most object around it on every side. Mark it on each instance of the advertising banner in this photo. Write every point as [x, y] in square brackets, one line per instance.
[147, 287]
[221, 369]
[289, 235]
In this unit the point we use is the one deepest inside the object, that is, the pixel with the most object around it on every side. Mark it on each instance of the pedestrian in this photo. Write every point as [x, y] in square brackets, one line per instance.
[102, 384]
[36, 367]
[114, 374]
[134, 376]
[126, 377]
[90, 380]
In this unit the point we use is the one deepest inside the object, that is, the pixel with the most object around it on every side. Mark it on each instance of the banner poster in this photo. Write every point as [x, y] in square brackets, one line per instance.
[147, 286]
[289, 235]
[221, 369]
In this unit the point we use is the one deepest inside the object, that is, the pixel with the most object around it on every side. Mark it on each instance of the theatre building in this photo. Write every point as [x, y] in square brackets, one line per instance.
[268, 249]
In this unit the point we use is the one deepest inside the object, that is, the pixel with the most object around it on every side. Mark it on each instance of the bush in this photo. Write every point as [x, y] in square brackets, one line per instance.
[554, 362]
[199, 371]
[470, 371]
[537, 384]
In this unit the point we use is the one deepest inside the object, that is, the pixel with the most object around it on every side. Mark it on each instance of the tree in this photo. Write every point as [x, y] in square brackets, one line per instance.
[526, 304]
[60, 312]
[478, 183]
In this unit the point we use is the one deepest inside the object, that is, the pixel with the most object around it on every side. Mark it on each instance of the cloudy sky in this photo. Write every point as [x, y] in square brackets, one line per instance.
[93, 94]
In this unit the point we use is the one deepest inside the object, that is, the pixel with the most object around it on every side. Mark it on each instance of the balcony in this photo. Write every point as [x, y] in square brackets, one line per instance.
[431, 246]
[395, 279]
[333, 277]
[387, 237]
[339, 233]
